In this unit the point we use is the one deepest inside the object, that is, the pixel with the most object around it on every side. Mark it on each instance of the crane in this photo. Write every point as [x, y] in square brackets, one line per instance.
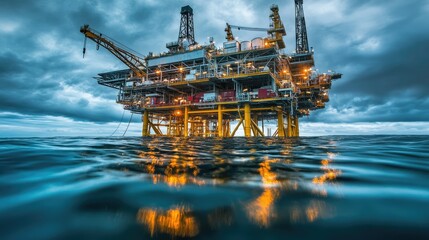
[230, 35]
[132, 60]
[277, 30]
[248, 28]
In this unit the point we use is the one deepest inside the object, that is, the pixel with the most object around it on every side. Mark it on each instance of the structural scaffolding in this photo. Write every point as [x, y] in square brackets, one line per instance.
[206, 91]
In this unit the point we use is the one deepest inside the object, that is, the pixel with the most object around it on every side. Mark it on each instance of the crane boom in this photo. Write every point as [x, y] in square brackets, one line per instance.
[275, 32]
[134, 62]
[249, 28]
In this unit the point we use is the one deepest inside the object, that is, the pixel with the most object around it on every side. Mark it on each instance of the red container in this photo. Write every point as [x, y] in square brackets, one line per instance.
[271, 94]
[262, 93]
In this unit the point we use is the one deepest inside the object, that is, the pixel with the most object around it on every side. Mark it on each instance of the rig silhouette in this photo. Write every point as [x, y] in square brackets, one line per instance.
[202, 90]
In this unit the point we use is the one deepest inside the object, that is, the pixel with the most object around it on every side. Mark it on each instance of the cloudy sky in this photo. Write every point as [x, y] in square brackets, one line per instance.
[381, 47]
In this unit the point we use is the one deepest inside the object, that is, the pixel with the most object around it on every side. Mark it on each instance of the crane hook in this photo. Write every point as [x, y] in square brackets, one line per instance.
[84, 48]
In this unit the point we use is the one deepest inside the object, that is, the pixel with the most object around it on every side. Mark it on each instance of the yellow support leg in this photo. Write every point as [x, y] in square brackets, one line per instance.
[145, 130]
[185, 122]
[296, 126]
[289, 126]
[247, 120]
[219, 121]
[280, 123]
[257, 132]
[227, 129]
[236, 127]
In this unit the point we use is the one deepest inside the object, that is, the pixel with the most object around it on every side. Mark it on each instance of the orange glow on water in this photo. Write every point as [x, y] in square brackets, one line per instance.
[268, 176]
[327, 176]
[261, 210]
[176, 221]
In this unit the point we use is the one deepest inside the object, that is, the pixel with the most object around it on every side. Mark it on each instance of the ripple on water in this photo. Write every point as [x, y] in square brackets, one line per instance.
[55, 188]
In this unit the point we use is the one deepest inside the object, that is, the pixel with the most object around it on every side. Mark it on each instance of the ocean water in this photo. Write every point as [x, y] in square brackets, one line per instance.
[336, 187]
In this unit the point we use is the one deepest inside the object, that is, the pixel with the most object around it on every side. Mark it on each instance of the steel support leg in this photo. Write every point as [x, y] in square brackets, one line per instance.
[247, 120]
[289, 125]
[145, 130]
[296, 126]
[185, 122]
[280, 123]
[219, 121]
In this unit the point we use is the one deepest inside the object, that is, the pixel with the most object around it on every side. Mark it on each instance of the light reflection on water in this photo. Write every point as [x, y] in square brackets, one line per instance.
[178, 170]
[261, 188]
[176, 221]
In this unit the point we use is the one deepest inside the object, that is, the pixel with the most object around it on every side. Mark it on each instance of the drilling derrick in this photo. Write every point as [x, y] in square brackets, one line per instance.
[186, 32]
[300, 28]
[207, 91]
[186, 26]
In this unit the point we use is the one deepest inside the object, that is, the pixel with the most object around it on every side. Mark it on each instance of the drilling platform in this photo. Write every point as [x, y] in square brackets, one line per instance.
[209, 91]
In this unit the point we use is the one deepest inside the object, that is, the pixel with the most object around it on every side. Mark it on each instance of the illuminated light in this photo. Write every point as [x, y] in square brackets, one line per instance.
[177, 112]
[181, 69]
[177, 221]
[157, 71]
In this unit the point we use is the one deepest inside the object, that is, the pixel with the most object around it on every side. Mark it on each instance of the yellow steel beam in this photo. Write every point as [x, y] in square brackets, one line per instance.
[235, 76]
[276, 132]
[230, 110]
[169, 127]
[257, 129]
[253, 130]
[145, 129]
[247, 120]
[202, 80]
[296, 126]
[236, 127]
[227, 129]
[280, 123]
[185, 122]
[219, 121]
[289, 125]
[155, 129]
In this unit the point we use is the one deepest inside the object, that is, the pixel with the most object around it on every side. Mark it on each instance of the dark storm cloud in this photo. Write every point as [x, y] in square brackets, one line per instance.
[379, 46]
[384, 66]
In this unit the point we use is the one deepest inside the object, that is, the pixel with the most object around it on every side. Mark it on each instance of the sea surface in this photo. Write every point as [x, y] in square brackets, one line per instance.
[333, 187]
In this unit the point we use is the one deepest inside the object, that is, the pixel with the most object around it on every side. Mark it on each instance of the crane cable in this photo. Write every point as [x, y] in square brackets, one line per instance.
[131, 117]
[119, 123]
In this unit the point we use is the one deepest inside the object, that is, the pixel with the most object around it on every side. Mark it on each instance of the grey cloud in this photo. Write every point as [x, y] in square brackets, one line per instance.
[388, 83]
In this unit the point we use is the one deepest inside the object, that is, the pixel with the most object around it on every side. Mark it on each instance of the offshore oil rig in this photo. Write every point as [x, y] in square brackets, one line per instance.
[203, 90]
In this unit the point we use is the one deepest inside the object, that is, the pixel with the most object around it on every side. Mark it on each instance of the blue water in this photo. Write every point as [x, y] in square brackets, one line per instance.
[352, 187]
